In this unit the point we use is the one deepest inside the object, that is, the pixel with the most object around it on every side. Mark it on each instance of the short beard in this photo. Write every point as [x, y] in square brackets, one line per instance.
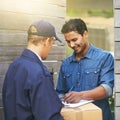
[81, 53]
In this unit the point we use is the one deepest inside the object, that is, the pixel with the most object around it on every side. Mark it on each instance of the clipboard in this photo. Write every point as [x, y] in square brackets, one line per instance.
[72, 105]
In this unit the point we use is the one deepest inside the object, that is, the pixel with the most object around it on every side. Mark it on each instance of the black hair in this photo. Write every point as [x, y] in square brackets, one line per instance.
[76, 24]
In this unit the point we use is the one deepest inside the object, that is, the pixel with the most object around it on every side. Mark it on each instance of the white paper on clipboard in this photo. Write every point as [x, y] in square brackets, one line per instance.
[82, 102]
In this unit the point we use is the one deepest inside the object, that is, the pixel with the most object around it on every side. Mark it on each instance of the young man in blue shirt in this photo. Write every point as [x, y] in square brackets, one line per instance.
[28, 90]
[89, 72]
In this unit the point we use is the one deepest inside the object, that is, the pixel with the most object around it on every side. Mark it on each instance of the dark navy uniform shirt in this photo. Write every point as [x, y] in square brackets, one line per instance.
[28, 91]
[94, 69]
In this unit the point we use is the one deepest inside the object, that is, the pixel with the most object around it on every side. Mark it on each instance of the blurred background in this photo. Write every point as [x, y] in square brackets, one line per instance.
[98, 15]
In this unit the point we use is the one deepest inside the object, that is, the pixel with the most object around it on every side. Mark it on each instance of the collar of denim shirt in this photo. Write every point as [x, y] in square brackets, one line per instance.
[88, 54]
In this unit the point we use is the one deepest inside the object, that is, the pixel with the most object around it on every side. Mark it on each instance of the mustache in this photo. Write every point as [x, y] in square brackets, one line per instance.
[75, 47]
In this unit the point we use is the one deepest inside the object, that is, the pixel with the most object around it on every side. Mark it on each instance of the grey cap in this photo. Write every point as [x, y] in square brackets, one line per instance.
[44, 29]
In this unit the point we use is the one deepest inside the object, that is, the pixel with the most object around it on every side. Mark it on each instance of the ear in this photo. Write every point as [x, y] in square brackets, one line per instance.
[49, 41]
[85, 34]
[46, 42]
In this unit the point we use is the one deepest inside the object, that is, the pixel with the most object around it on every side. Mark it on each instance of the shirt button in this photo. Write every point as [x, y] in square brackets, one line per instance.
[95, 71]
[78, 83]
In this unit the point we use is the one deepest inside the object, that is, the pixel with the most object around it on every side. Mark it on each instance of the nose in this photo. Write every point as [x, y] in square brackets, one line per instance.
[72, 44]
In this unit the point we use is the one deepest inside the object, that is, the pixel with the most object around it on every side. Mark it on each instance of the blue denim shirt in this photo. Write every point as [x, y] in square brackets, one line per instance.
[94, 69]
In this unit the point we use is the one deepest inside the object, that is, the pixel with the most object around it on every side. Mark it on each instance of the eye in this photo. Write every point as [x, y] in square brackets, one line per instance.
[74, 40]
[68, 42]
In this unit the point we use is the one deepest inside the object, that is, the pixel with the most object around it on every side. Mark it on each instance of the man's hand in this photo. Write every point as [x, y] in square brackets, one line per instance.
[72, 97]
[94, 94]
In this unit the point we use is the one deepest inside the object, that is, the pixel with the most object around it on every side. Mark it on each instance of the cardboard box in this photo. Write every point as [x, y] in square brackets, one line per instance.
[85, 112]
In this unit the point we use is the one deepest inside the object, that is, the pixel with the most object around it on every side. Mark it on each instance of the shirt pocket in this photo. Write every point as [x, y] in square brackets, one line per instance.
[91, 78]
[68, 78]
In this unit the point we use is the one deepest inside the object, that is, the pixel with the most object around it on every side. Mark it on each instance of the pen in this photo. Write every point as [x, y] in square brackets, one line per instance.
[71, 88]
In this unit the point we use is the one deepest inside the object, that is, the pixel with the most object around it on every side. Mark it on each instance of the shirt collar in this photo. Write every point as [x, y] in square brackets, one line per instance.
[38, 56]
[88, 54]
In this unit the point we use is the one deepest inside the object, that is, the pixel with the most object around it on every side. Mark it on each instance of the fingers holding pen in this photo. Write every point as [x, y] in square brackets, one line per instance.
[67, 96]
[71, 97]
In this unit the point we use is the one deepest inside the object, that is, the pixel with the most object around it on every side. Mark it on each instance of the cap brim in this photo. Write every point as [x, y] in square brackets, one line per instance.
[58, 39]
